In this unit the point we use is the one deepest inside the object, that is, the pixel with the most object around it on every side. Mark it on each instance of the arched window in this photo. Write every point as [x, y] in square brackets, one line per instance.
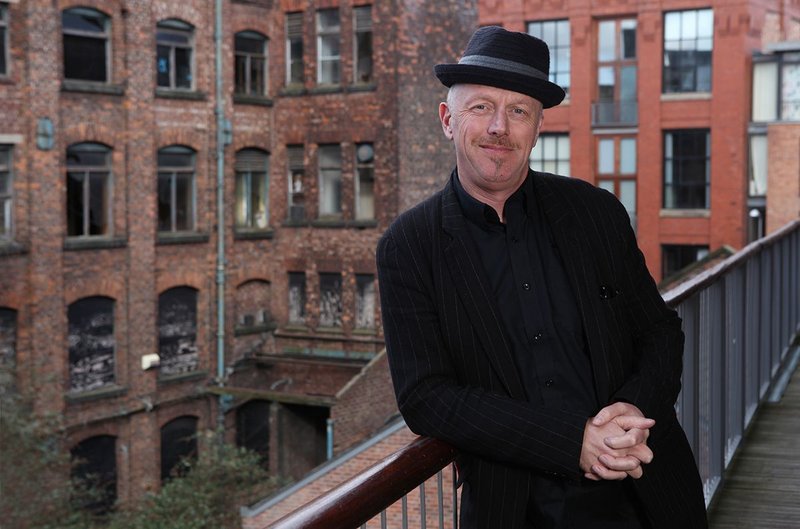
[250, 68]
[252, 189]
[91, 343]
[252, 428]
[95, 465]
[88, 190]
[86, 44]
[174, 57]
[178, 443]
[177, 330]
[176, 189]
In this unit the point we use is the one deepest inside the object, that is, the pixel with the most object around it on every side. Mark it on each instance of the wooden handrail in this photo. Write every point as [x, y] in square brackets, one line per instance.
[359, 499]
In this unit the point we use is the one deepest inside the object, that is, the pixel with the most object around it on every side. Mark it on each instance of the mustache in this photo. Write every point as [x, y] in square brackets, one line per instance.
[497, 142]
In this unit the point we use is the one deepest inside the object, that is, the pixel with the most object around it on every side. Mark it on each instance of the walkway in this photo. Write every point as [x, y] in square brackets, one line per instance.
[762, 488]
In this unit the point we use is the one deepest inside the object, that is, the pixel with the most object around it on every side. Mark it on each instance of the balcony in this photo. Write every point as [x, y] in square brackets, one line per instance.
[741, 320]
[615, 114]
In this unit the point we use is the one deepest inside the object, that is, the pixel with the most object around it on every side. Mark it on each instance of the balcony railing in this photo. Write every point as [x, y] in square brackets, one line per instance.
[740, 319]
[615, 113]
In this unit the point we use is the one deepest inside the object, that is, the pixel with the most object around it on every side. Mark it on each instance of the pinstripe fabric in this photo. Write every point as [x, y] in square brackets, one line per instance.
[453, 368]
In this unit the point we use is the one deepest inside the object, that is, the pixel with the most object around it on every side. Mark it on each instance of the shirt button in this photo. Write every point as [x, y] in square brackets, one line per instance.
[549, 382]
[526, 286]
[537, 337]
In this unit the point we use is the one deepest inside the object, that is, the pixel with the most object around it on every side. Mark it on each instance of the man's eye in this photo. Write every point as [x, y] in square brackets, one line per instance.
[520, 111]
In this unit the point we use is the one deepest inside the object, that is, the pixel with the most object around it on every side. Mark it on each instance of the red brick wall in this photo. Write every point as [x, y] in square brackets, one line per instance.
[783, 185]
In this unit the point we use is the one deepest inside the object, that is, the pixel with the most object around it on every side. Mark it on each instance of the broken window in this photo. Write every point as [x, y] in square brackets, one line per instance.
[86, 38]
[178, 446]
[88, 190]
[252, 189]
[252, 304]
[330, 300]
[175, 40]
[177, 330]
[91, 343]
[95, 466]
[8, 348]
[297, 298]
[365, 301]
[252, 428]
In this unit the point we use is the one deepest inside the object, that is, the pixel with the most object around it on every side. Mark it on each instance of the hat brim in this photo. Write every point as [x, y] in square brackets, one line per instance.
[549, 94]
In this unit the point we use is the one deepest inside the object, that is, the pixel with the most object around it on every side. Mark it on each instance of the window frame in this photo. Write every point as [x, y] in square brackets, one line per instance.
[618, 175]
[87, 171]
[295, 167]
[293, 23]
[362, 310]
[175, 295]
[540, 161]
[670, 161]
[360, 28]
[333, 32]
[560, 60]
[105, 36]
[302, 301]
[111, 373]
[698, 248]
[330, 176]
[244, 171]
[173, 172]
[5, 55]
[249, 58]
[102, 484]
[666, 70]
[365, 171]
[330, 306]
[173, 26]
[7, 196]
[779, 61]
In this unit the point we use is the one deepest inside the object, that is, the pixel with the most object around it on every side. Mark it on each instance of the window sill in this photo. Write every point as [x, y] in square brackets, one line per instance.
[329, 330]
[106, 392]
[326, 89]
[255, 329]
[365, 332]
[295, 328]
[247, 99]
[6, 79]
[181, 377]
[294, 223]
[685, 96]
[685, 213]
[244, 234]
[341, 223]
[12, 248]
[94, 243]
[176, 93]
[292, 90]
[362, 87]
[182, 238]
[91, 87]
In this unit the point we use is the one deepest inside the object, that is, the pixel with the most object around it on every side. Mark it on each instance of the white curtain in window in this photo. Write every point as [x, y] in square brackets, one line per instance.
[765, 80]
[758, 165]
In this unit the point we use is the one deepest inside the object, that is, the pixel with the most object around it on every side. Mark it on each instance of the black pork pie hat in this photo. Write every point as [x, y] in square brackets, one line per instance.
[505, 59]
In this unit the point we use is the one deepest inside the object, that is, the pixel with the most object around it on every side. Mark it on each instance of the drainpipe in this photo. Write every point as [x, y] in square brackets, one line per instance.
[223, 133]
[329, 444]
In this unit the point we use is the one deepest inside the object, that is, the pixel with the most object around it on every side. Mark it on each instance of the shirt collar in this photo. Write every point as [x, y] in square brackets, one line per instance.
[482, 214]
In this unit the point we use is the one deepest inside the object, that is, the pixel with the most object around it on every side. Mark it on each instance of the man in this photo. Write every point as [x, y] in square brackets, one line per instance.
[522, 325]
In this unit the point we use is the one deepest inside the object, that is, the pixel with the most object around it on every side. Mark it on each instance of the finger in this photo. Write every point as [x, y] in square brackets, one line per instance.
[621, 464]
[608, 474]
[636, 473]
[642, 453]
[627, 422]
[608, 413]
[593, 477]
[631, 438]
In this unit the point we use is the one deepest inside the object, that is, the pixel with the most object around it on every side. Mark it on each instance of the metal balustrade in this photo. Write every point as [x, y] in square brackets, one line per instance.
[740, 319]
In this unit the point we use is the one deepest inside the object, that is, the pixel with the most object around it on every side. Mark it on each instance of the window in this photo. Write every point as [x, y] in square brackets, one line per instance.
[675, 257]
[6, 194]
[616, 169]
[95, 465]
[551, 154]
[556, 34]
[297, 173]
[776, 87]
[688, 43]
[8, 349]
[328, 53]
[252, 428]
[365, 301]
[294, 49]
[330, 300]
[91, 343]
[365, 181]
[687, 169]
[253, 304]
[88, 190]
[759, 160]
[297, 298]
[3, 39]
[176, 194]
[178, 446]
[362, 39]
[177, 330]
[330, 181]
[86, 38]
[250, 64]
[252, 189]
[174, 54]
[616, 73]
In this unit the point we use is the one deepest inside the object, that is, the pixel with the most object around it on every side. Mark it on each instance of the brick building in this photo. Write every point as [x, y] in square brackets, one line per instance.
[658, 111]
[113, 137]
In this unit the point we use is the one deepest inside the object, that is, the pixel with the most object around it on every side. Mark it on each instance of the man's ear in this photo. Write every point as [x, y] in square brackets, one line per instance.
[445, 117]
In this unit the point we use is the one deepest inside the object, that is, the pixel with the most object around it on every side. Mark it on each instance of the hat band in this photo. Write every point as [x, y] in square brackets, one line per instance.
[502, 64]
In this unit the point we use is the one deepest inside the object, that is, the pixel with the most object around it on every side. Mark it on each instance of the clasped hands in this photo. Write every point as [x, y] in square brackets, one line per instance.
[615, 443]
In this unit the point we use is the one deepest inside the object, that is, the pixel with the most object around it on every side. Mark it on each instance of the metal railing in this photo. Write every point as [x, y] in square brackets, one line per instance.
[615, 113]
[740, 319]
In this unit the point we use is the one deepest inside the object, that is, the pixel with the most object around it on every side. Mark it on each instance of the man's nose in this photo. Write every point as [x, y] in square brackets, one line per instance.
[498, 126]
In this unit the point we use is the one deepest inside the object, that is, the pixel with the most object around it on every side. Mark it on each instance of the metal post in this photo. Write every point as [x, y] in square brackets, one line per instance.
[220, 275]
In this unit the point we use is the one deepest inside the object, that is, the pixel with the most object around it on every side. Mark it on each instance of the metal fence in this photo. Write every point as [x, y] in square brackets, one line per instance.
[740, 319]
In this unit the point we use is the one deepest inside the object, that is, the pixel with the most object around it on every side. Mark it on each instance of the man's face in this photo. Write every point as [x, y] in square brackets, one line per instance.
[493, 131]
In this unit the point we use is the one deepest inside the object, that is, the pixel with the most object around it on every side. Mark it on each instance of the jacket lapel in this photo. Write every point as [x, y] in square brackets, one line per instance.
[466, 270]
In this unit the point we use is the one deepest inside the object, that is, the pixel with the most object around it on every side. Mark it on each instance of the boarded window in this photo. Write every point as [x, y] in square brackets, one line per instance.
[91, 343]
[95, 465]
[330, 300]
[178, 446]
[252, 428]
[365, 301]
[177, 330]
[297, 298]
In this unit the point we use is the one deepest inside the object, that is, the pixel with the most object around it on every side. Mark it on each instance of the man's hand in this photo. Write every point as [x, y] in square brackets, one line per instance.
[614, 443]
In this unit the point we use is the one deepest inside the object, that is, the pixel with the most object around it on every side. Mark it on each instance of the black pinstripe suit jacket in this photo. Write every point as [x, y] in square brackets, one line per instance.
[454, 373]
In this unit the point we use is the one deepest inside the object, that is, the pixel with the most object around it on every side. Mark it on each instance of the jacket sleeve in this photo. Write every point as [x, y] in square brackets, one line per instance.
[475, 418]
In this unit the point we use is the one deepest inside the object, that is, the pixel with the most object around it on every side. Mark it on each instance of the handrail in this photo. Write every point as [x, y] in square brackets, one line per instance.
[364, 496]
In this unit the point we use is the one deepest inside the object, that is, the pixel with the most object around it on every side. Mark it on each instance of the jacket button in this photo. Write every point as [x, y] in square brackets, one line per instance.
[549, 382]
[526, 286]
